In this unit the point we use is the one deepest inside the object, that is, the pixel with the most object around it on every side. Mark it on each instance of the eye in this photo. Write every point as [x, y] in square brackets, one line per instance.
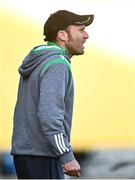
[82, 29]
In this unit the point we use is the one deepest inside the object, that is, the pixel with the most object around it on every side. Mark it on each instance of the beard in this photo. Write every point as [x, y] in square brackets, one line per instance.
[75, 48]
[74, 45]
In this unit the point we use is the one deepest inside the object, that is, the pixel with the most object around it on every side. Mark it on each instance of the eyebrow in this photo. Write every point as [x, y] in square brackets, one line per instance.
[82, 28]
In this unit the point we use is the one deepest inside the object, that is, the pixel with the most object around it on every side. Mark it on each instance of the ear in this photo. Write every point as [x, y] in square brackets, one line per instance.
[62, 35]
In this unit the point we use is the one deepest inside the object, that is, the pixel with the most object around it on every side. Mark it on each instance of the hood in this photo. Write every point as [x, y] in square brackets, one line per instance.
[37, 55]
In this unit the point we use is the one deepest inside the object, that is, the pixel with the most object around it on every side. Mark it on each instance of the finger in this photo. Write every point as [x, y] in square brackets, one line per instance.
[69, 173]
[78, 174]
[73, 173]
[72, 169]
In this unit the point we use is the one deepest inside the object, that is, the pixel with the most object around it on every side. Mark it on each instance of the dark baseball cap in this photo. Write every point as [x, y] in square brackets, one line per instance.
[61, 19]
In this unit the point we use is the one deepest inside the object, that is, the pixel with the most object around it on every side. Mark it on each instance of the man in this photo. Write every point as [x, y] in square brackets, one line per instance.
[43, 113]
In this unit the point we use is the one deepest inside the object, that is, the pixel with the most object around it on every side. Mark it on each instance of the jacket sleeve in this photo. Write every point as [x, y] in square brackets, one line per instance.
[51, 110]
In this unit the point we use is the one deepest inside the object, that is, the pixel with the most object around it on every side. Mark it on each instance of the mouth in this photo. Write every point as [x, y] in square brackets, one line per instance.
[83, 44]
[84, 41]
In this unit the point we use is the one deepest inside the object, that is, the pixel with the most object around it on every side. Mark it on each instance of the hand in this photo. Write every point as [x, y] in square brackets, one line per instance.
[72, 168]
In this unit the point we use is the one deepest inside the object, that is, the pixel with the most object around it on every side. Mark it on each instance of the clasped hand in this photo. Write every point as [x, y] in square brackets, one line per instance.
[72, 168]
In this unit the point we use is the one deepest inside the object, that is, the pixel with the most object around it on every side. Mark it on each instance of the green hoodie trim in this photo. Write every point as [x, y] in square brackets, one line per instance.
[49, 46]
[64, 51]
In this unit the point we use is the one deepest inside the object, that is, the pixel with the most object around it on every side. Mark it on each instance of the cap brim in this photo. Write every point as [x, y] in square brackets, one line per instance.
[85, 20]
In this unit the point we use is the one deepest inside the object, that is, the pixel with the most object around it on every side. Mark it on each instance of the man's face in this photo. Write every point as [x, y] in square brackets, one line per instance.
[76, 38]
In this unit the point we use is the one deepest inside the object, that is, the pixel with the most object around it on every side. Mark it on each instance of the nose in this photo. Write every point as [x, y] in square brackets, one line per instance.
[86, 36]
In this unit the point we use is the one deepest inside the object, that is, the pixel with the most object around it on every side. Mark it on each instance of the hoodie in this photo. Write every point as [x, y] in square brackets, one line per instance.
[43, 111]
